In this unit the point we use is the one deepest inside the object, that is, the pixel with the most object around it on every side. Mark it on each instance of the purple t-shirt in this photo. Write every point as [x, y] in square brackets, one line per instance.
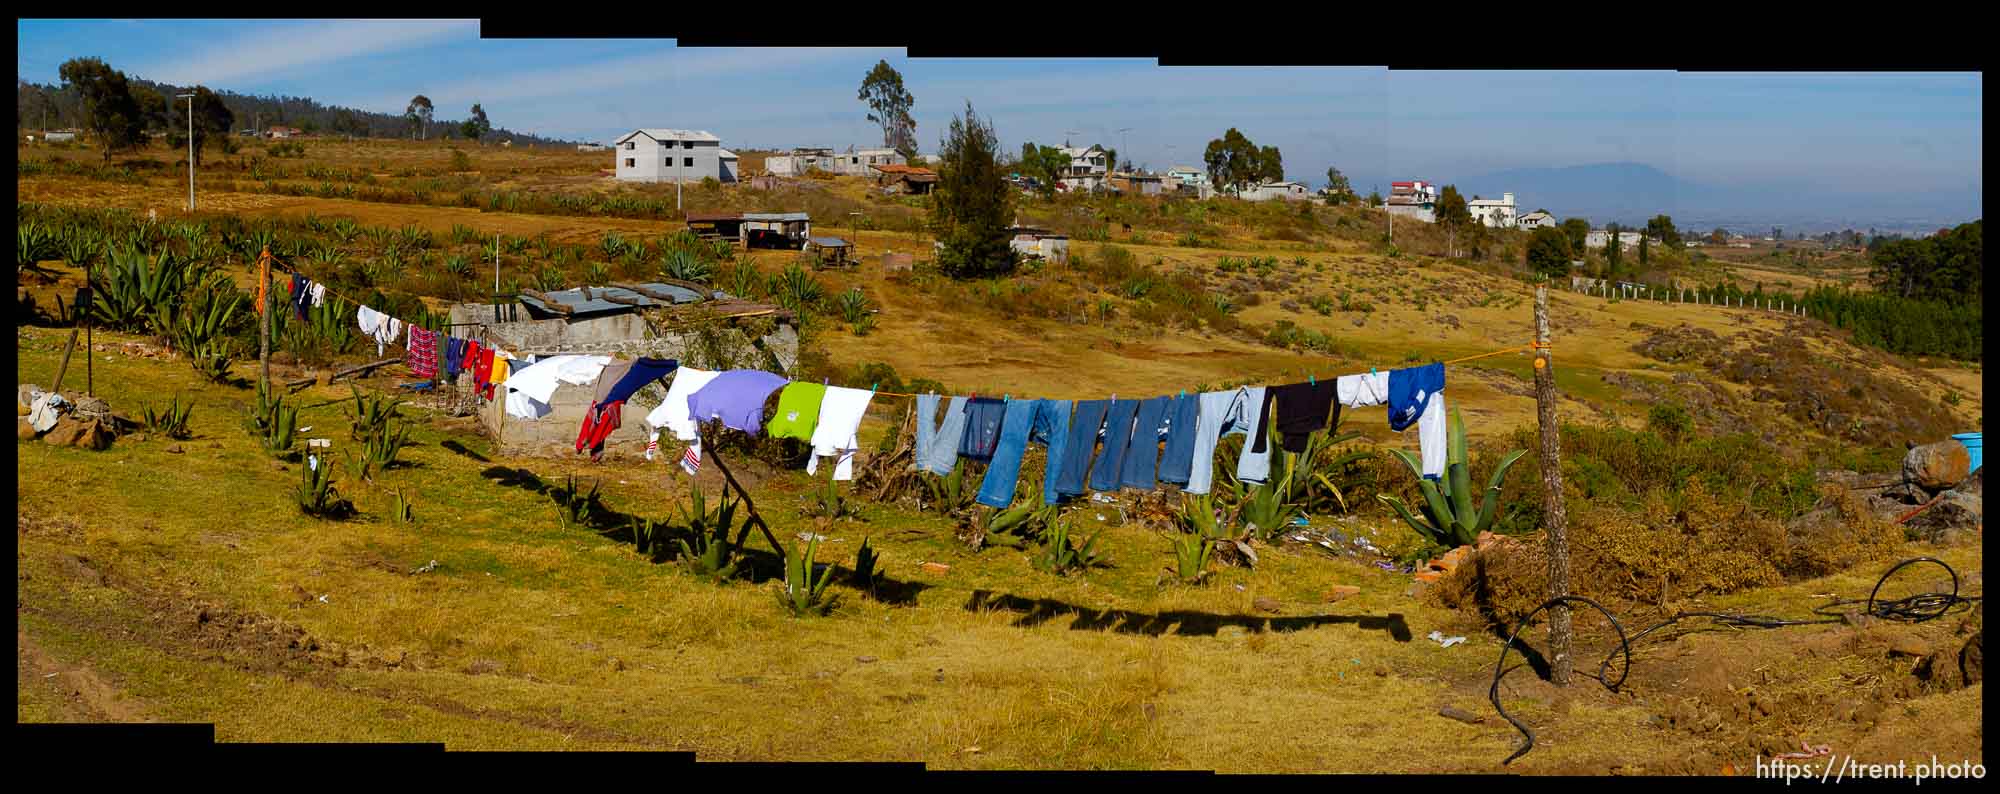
[736, 397]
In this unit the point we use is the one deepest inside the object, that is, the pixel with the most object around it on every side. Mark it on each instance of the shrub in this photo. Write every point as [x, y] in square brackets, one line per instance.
[171, 421]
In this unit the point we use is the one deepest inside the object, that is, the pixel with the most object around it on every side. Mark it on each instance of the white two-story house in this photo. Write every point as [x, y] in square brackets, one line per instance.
[666, 155]
[1089, 168]
[1500, 212]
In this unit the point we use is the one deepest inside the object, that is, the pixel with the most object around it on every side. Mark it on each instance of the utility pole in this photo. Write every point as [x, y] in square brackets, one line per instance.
[496, 266]
[264, 318]
[1555, 515]
[190, 99]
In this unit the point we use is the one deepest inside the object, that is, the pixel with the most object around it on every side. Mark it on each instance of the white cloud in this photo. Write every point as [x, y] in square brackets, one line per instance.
[281, 48]
[661, 70]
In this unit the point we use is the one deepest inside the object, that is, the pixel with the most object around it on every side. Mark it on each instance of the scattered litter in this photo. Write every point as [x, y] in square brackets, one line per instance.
[1385, 565]
[51, 675]
[428, 567]
[306, 429]
[1105, 498]
[1301, 521]
[1439, 638]
[1100, 516]
[1239, 587]
[322, 597]
[808, 537]
[1809, 751]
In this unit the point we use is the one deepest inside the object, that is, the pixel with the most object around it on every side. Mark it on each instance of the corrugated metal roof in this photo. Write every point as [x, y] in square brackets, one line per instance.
[726, 154]
[829, 242]
[574, 300]
[776, 216]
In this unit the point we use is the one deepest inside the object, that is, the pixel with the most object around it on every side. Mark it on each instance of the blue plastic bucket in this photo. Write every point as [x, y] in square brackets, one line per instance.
[1971, 442]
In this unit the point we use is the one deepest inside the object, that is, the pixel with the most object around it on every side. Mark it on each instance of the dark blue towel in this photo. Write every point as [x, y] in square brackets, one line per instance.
[1117, 436]
[643, 371]
[1410, 389]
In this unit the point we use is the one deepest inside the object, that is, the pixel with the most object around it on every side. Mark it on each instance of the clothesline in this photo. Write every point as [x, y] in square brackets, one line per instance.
[287, 268]
[1502, 351]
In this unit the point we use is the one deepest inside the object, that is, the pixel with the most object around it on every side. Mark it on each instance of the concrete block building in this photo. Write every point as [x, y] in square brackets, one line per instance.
[671, 155]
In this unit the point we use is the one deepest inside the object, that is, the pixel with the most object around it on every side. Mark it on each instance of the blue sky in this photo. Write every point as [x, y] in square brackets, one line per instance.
[1813, 135]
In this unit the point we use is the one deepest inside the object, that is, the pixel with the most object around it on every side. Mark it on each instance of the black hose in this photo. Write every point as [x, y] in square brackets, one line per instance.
[1909, 609]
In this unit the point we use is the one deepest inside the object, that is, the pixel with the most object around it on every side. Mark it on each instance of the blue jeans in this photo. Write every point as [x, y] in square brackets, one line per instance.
[983, 416]
[937, 450]
[1179, 458]
[1046, 421]
[1082, 440]
[1117, 436]
[1142, 457]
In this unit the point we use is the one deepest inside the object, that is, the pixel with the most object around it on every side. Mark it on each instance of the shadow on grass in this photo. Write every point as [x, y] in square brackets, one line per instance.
[1179, 622]
[462, 450]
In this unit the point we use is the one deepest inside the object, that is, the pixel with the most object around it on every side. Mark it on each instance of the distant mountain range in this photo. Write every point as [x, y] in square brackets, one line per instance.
[1630, 193]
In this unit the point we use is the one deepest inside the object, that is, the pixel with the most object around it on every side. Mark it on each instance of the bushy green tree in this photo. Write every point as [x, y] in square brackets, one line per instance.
[475, 126]
[1045, 163]
[1336, 184]
[1944, 267]
[418, 114]
[1661, 228]
[1452, 214]
[1613, 252]
[110, 111]
[889, 107]
[1235, 162]
[1549, 252]
[971, 206]
[1578, 232]
[213, 124]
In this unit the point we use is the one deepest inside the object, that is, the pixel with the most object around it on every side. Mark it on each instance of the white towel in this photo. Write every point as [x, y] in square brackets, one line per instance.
[837, 434]
[673, 413]
[1433, 438]
[1360, 390]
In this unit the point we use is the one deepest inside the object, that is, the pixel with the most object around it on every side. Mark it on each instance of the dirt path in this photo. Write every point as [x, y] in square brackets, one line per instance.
[89, 697]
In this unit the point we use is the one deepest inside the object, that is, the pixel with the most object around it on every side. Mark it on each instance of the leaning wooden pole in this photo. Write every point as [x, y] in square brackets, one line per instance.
[1555, 517]
[709, 449]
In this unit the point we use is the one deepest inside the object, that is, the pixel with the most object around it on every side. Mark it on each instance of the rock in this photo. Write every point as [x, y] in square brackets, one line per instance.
[1955, 517]
[1428, 576]
[175, 449]
[1341, 591]
[864, 659]
[1453, 712]
[1936, 467]
[24, 431]
[934, 567]
[1971, 484]
[1909, 646]
[1267, 604]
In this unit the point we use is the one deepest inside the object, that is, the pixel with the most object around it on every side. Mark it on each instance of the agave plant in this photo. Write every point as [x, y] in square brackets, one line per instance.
[597, 274]
[403, 509]
[574, 507]
[1449, 518]
[272, 422]
[1061, 557]
[867, 568]
[34, 242]
[798, 289]
[81, 247]
[379, 449]
[826, 502]
[685, 265]
[135, 291]
[707, 551]
[316, 495]
[458, 266]
[805, 594]
[853, 305]
[171, 420]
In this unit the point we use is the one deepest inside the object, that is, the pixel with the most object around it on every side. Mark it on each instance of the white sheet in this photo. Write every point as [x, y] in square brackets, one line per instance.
[837, 433]
[672, 414]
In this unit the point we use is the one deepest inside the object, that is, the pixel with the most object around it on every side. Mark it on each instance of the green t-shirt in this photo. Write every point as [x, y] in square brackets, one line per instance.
[798, 411]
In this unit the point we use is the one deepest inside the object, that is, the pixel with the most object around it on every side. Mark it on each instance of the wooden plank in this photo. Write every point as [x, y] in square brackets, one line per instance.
[668, 298]
[547, 301]
[629, 301]
[344, 373]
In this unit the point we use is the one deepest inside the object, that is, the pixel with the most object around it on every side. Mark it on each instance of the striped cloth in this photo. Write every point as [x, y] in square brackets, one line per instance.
[422, 356]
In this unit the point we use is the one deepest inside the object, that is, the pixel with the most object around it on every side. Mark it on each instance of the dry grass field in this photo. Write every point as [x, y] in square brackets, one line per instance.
[177, 581]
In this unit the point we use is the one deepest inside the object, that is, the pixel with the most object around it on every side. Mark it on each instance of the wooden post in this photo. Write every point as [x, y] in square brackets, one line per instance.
[709, 446]
[1556, 517]
[264, 319]
[64, 369]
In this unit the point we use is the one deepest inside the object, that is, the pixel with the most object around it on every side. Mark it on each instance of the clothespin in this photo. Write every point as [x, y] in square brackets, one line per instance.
[1311, 381]
[875, 386]
[1371, 370]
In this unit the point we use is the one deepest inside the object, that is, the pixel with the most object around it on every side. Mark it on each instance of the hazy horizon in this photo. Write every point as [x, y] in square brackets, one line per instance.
[1824, 148]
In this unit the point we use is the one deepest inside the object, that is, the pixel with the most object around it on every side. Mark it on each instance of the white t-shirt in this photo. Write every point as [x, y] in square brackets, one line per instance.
[672, 414]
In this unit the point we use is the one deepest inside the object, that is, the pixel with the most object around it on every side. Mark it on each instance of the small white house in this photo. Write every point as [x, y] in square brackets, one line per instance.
[1289, 191]
[861, 162]
[670, 155]
[1499, 213]
[1537, 220]
[590, 147]
[1598, 238]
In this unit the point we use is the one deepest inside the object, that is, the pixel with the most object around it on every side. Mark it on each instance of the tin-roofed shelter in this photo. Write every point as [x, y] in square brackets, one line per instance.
[831, 251]
[776, 230]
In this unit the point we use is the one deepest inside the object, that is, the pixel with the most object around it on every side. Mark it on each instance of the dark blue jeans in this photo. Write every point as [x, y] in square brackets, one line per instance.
[1083, 429]
[982, 428]
[1105, 473]
[1142, 457]
[1046, 421]
[1179, 458]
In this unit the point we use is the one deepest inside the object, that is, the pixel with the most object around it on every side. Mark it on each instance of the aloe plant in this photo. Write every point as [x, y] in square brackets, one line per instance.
[1449, 518]
[805, 594]
[647, 533]
[1059, 556]
[316, 495]
[852, 305]
[379, 449]
[273, 423]
[574, 507]
[171, 420]
[404, 510]
[707, 551]
[370, 413]
[867, 567]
